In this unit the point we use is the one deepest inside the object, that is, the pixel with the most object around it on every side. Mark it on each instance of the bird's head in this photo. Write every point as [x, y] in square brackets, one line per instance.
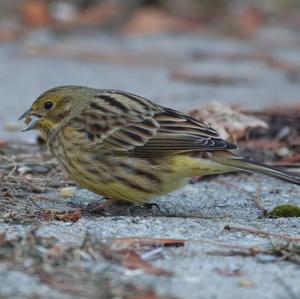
[51, 108]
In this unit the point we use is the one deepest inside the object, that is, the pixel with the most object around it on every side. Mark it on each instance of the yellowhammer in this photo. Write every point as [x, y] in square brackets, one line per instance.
[125, 147]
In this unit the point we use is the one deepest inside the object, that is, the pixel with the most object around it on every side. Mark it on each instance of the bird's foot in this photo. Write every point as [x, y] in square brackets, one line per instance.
[152, 206]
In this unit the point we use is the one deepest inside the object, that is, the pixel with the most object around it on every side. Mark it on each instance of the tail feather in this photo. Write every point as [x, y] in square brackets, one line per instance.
[247, 165]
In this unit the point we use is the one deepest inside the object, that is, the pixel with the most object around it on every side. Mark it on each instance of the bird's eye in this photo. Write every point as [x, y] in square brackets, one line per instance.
[48, 105]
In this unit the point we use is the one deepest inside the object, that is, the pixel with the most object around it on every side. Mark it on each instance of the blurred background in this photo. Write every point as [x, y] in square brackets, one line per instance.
[181, 54]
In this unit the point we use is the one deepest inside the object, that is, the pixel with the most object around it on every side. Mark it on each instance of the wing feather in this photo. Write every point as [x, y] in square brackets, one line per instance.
[118, 122]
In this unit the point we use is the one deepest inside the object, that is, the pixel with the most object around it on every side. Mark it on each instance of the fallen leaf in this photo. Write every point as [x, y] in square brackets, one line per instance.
[9, 34]
[36, 13]
[3, 143]
[153, 20]
[251, 19]
[289, 159]
[51, 214]
[130, 259]
[229, 122]
[98, 14]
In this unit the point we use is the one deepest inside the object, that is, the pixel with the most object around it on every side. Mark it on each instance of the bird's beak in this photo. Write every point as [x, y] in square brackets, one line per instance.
[32, 122]
[25, 114]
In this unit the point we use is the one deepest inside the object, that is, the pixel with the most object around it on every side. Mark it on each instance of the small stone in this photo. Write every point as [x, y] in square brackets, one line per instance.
[12, 127]
[283, 152]
[266, 258]
[24, 169]
[67, 192]
[9, 215]
[246, 283]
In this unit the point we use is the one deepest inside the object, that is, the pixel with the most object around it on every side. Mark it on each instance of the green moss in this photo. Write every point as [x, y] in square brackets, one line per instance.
[286, 210]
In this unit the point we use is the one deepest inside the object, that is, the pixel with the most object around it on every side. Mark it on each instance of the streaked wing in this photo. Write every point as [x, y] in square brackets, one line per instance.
[178, 133]
[102, 122]
[138, 127]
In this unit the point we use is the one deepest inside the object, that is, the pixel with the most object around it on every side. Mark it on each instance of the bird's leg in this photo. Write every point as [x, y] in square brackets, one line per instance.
[93, 207]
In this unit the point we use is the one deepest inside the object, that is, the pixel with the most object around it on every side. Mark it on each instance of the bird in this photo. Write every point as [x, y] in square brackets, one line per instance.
[127, 148]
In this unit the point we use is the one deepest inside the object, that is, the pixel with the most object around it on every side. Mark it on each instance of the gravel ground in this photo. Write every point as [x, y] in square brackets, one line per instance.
[197, 213]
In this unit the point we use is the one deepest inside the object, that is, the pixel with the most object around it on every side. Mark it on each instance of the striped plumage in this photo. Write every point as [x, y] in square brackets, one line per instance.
[126, 147]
